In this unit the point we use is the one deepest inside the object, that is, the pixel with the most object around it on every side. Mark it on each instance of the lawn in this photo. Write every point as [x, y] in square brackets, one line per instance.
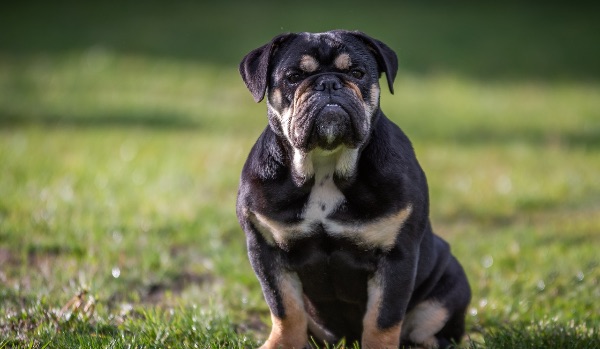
[124, 127]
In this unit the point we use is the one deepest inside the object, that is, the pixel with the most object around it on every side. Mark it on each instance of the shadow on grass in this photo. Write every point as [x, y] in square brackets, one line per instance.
[581, 137]
[150, 120]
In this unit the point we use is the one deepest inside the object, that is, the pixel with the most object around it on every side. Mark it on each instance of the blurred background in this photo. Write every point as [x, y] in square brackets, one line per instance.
[124, 126]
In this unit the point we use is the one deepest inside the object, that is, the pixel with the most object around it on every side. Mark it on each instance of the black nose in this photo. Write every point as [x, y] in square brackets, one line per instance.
[328, 82]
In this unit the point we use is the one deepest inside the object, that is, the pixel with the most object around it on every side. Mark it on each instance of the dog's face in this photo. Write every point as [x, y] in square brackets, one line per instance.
[322, 89]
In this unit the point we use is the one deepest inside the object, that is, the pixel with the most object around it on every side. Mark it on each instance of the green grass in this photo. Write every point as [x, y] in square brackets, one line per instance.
[123, 129]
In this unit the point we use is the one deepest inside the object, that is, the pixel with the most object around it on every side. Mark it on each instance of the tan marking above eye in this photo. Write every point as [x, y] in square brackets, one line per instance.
[343, 61]
[309, 64]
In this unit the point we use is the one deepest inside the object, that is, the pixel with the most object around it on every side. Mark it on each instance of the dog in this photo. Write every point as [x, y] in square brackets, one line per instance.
[335, 206]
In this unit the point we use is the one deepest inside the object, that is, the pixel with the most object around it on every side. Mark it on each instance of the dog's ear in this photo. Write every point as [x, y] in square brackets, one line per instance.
[254, 68]
[386, 57]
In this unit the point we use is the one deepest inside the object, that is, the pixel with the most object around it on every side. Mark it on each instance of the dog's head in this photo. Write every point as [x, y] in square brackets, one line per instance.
[322, 89]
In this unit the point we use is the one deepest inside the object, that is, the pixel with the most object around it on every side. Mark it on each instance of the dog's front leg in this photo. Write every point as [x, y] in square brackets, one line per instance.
[389, 291]
[289, 319]
[283, 292]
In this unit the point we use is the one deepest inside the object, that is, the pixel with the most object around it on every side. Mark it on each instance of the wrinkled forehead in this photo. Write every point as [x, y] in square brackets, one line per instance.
[325, 48]
[322, 45]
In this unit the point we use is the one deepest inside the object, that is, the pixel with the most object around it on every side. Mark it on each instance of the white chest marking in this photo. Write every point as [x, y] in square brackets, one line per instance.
[325, 197]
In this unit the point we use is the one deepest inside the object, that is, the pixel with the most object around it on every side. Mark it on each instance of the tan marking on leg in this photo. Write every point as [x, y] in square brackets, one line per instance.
[343, 61]
[291, 332]
[424, 321]
[308, 63]
[374, 337]
[382, 339]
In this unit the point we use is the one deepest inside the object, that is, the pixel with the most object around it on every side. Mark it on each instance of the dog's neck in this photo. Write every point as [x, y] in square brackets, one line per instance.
[340, 161]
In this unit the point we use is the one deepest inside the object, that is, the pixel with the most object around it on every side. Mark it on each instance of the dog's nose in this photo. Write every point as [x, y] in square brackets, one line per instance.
[328, 82]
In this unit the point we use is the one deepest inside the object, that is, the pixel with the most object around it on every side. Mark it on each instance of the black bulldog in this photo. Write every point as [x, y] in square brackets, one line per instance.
[335, 205]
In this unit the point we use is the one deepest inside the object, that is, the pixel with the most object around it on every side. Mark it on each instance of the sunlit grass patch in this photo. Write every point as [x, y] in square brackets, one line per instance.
[40, 326]
[541, 334]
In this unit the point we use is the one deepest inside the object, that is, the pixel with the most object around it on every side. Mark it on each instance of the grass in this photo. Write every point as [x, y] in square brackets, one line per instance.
[122, 137]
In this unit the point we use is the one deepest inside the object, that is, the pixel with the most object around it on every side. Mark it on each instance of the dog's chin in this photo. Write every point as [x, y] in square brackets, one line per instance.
[330, 127]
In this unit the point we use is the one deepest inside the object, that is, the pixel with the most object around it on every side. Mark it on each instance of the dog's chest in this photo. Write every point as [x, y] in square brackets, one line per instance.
[314, 217]
[324, 199]
[319, 215]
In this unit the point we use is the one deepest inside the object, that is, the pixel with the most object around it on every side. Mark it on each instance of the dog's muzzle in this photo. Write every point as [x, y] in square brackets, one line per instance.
[332, 120]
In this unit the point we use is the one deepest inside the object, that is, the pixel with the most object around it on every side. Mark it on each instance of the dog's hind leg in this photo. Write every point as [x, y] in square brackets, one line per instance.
[439, 321]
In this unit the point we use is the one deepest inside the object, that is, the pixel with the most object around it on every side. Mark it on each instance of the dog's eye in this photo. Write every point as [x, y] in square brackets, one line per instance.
[356, 73]
[294, 77]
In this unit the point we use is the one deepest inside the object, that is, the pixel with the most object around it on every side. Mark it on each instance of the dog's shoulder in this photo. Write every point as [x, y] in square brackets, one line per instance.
[390, 153]
[266, 183]
[388, 176]
[266, 159]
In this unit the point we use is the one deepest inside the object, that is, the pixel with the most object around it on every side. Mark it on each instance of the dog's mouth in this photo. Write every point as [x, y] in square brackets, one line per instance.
[327, 122]
[331, 127]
